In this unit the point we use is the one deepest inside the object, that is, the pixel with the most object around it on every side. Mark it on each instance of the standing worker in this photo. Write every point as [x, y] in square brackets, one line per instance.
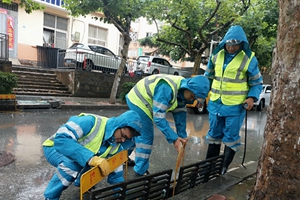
[154, 96]
[235, 81]
[87, 140]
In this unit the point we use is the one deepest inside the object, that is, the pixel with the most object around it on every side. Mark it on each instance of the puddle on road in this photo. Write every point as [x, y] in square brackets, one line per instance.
[240, 191]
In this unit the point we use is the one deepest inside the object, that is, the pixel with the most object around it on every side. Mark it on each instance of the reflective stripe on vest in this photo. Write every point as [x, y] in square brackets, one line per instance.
[93, 139]
[110, 150]
[230, 85]
[142, 93]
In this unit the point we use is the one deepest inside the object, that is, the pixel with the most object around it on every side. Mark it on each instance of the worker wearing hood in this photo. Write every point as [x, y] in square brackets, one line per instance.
[154, 96]
[235, 81]
[87, 140]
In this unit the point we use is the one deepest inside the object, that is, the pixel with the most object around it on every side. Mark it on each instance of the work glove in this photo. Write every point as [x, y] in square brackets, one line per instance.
[101, 163]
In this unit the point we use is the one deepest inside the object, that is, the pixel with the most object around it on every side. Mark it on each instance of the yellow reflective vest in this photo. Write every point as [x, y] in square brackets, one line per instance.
[230, 85]
[142, 93]
[93, 139]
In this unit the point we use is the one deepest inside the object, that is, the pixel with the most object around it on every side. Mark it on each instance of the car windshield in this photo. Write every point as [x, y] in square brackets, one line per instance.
[143, 58]
[76, 45]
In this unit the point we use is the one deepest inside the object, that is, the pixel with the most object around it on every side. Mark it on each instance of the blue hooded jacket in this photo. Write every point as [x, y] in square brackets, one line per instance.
[79, 126]
[253, 73]
[234, 33]
[199, 85]
[163, 94]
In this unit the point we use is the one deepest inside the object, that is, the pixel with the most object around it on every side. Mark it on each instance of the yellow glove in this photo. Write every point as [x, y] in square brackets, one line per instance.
[101, 163]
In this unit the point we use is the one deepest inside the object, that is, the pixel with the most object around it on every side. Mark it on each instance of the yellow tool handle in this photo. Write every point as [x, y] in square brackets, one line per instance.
[94, 175]
[180, 157]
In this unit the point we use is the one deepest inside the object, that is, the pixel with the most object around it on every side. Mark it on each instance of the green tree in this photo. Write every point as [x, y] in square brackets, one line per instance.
[117, 12]
[260, 24]
[190, 25]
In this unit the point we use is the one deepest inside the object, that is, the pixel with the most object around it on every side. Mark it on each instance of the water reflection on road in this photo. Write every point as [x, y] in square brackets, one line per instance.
[22, 134]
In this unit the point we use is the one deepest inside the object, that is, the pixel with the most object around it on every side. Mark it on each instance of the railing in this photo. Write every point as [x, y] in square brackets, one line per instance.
[81, 60]
[4, 53]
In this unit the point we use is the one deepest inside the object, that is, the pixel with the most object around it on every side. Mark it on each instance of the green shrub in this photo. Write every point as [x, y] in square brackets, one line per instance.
[7, 82]
[126, 87]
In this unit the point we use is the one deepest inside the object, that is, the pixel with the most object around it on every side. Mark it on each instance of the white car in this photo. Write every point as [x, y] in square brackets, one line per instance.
[154, 65]
[92, 57]
[264, 97]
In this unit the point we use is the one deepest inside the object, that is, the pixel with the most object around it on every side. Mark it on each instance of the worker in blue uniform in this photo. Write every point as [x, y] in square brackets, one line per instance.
[85, 141]
[235, 82]
[152, 97]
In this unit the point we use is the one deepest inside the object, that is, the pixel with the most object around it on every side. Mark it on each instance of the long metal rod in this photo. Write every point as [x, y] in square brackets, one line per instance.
[245, 146]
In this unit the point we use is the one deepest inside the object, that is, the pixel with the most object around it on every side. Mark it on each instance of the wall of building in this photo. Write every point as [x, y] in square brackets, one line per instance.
[91, 84]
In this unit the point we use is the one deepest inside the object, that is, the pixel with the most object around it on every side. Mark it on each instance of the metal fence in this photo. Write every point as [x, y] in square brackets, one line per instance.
[49, 57]
[4, 53]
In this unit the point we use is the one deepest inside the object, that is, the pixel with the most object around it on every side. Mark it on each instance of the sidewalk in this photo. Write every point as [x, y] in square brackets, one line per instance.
[234, 185]
[37, 102]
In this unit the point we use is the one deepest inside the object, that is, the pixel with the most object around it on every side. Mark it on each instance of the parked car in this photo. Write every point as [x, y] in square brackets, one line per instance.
[146, 65]
[264, 97]
[187, 72]
[92, 57]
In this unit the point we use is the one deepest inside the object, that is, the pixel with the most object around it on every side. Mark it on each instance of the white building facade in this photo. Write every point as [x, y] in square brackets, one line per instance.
[52, 27]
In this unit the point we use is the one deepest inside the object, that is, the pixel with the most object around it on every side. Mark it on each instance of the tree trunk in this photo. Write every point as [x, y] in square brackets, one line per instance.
[197, 63]
[124, 52]
[278, 175]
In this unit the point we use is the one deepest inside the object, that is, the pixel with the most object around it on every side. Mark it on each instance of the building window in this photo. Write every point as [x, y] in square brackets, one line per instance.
[133, 36]
[149, 34]
[9, 6]
[55, 31]
[55, 2]
[97, 35]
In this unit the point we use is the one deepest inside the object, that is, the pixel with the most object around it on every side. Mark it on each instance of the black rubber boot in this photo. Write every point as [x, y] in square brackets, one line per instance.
[213, 150]
[228, 157]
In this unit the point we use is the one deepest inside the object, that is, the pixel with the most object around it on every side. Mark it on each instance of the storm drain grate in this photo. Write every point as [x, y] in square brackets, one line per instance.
[198, 173]
[154, 186]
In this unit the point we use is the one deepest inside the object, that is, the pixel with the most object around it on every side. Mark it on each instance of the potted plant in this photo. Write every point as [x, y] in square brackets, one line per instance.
[8, 82]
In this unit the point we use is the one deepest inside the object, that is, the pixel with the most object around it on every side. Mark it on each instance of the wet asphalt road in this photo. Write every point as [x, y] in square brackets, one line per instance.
[22, 134]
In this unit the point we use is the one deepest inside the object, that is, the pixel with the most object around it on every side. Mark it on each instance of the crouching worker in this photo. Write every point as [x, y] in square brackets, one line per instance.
[85, 141]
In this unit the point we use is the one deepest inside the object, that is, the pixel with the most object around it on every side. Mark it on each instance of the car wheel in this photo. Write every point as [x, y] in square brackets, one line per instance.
[259, 106]
[89, 65]
[200, 110]
[155, 71]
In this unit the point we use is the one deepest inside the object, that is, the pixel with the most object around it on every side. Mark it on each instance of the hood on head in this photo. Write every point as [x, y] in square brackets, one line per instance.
[199, 85]
[128, 118]
[234, 33]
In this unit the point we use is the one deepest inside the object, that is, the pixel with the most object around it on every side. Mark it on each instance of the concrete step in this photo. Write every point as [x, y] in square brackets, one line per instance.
[37, 93]
[34, 73]
[42, 82]
[32, 69]
[38, 81]
[44, 86]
